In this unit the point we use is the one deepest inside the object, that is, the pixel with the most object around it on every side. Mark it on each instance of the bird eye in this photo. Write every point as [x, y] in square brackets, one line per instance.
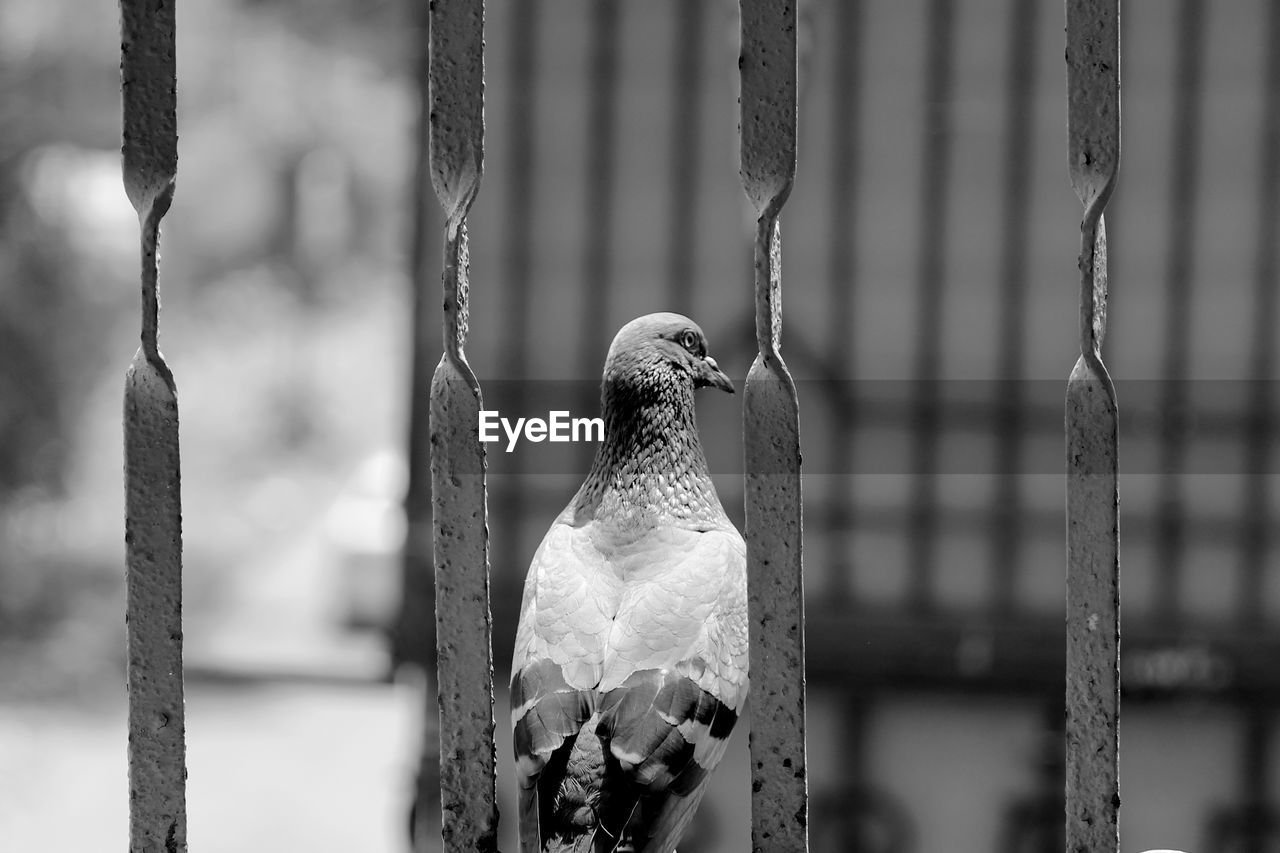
[689, 341]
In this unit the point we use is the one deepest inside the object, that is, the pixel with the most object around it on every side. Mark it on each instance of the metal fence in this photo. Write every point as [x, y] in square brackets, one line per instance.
[859, 636]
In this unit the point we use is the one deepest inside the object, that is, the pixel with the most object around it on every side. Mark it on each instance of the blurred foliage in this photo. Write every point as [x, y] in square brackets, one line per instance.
[34, 308]
[49, 331]
[41, 271]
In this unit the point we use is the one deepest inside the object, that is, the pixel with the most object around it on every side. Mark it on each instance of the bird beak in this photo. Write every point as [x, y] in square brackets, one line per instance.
[711, 376]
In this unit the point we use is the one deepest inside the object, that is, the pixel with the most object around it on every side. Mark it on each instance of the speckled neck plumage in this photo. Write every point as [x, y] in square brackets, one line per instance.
[650, 469]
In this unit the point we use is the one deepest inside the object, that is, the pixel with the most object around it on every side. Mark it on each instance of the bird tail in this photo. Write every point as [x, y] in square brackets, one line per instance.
[584, 817]
[573, 822]
[580, 844]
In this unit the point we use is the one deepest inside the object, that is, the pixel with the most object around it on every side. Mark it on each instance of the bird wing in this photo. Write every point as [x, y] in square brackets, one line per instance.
[559, 651]
[674, 679]
[653, 638]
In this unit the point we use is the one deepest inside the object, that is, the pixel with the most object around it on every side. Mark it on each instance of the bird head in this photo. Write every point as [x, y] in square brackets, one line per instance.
[663, 344]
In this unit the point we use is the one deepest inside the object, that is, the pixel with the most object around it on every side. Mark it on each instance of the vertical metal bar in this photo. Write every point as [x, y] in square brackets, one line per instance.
[779, 802]
[463, 624]
[1093, 564]
[686, 149]
[841, 281]
[413, 640]
[1006, 529]
[153, 505]
[413, 636]
[1256, 541]
[601, 134]
[934, 192]
[1184, 178]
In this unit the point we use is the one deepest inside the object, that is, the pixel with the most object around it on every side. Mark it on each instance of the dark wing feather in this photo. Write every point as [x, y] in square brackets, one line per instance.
[547, 718]
[665, 735]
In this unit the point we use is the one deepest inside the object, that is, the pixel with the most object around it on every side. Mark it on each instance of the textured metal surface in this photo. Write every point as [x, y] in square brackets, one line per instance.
[767, 66]
[153, 508]
[415, 630]
[1093, 565]
[1093, 98]
[149, 91]
[779, 801]
[460, 534]
[414, 635]
[456, 85]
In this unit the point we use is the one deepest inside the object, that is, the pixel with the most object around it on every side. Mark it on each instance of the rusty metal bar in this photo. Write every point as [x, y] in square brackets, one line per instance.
[1011, 417]
[1093, 563]
[686, 150]
[934, 191]
[1257, 539]
[1184, 178]
[413, 640]
[460, 535]
[779, 801]
[153, 504]
[846, 127]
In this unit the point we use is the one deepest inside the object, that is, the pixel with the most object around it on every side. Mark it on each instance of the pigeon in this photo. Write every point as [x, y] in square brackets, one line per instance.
[630, 664]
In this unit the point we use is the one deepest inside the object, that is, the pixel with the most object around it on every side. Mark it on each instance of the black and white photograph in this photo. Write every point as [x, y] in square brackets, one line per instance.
[640, 426]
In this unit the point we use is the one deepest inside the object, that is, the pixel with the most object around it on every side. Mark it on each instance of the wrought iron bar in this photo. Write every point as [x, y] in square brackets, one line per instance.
[153, 505]
[463, 624]
[779, 802]
[413, 640]
[1093, 564]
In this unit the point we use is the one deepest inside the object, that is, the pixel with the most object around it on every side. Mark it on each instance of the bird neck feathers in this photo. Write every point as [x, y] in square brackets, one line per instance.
[650, 468]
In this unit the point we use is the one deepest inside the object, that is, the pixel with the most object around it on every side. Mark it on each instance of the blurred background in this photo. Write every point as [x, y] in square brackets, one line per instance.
[931, 296]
